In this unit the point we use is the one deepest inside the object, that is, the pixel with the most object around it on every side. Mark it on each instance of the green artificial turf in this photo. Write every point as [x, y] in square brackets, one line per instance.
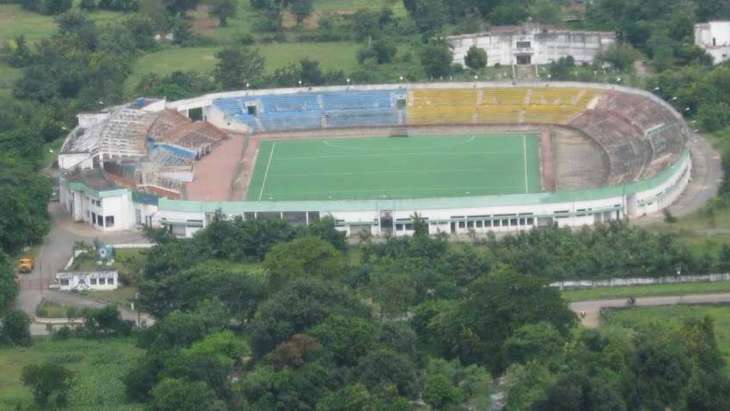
[396, 167]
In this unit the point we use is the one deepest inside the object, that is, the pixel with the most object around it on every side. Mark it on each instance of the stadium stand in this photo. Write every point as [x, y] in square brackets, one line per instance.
[640, 137]
[307, 111]
[497, 105]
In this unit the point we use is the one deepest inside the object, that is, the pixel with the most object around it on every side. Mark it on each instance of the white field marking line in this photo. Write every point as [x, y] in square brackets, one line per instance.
[378, 172]
[397, 190]
[331, 144]
[524, 157]
[384, 154]
[266, 173]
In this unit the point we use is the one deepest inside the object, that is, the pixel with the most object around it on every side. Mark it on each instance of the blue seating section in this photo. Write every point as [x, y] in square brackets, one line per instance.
[306, 111]
[176, 151]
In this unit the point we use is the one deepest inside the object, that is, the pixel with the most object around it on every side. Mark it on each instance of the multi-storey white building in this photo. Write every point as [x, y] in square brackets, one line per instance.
[714, 38]
[531, 44]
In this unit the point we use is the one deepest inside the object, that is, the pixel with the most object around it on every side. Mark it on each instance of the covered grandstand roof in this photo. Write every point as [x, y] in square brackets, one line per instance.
[121, 134]
[193, 134]
[166, 121]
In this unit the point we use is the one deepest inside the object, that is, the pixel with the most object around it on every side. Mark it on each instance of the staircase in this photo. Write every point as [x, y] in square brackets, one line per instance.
[524, 73]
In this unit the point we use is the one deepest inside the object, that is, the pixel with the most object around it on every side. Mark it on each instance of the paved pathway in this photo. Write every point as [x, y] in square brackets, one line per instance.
[53, 256]
[592, 309]
[706, 179]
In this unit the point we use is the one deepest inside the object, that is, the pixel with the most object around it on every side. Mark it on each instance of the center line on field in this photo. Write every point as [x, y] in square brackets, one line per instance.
[524, 158]
[266, 173]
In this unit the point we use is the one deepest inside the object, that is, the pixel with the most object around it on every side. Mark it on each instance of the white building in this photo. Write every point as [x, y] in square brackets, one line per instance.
[97, 281]
[714, 38]
[531, 44]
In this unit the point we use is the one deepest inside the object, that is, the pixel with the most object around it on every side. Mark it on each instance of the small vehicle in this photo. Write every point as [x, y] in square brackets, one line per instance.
[25, 265]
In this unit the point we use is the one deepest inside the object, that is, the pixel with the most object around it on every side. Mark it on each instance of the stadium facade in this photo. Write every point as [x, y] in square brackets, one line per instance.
[616, 152]
[531, 44]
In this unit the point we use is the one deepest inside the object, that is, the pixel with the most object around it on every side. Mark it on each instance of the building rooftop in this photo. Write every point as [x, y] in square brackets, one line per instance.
[528, 28]
[93, 179]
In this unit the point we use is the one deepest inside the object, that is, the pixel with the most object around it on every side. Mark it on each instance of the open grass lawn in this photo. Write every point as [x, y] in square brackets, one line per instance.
[246, 16]
[8, 75]
[122, 296]
[396, 167]
[98, 366]
[52, 310]
[646, 291]
[673, 316]
[332, 56]
[15, 21]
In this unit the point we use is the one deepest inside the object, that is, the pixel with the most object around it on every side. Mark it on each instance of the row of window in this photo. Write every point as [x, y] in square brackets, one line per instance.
[100, 220]
[504, 222]
[92, 281]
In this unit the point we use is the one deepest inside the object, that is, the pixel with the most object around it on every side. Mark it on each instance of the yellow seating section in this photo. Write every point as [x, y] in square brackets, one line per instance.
[498, 105]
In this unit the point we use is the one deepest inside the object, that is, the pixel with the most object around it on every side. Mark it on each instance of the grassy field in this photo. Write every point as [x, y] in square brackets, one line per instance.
[673, 316]
[121, 296]
[8, 75]
[15, 21]
[52, 310]
[246, 16]
[382, 167]
[332, 56]
[98, 367]
[646, 291]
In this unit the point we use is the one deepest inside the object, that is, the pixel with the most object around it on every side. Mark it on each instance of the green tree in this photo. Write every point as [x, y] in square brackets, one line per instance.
[347, 338]
[177, 85]
[223, 10]
[105, 322]
[303, 257]
[301, 9]
[349, 398]
[385, 50]
[436, 59]
[546, 12]
[16, 328]
[180, 7]
[526, 384]
[577, 392]
[476, 58]
[429, 15]
[540, 341]
[619, 55]
[8, 287]
[50, 384]
[714, 117]
[662, 367]
[325, 229]
[476, 329]
[380, 368]
[238, 67]
[562, 69]
[180, 395]
[300, 305]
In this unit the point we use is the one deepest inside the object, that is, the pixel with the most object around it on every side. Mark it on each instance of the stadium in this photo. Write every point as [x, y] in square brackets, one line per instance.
[466, 157]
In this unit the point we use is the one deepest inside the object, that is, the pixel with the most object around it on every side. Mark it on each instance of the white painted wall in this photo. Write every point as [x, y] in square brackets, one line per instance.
[545, 47]
[84, 161]
[714, 38]
[80, 281]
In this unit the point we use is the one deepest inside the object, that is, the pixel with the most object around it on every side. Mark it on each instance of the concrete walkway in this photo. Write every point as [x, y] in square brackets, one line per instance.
[53, 256]
[707, 176]
[592, 309]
